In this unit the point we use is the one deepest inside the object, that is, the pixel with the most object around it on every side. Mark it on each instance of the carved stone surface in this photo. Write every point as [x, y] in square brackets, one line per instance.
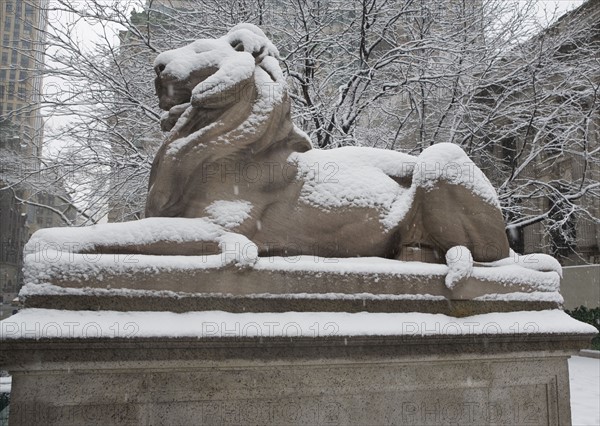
[476, 380]
[232, 140]
[265, 287]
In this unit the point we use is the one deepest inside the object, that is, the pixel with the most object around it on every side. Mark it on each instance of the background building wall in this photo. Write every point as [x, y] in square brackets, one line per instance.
[581, 286]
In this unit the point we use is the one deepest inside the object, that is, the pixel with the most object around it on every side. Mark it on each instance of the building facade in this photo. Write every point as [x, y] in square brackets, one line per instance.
[21, 59]
[22, 32]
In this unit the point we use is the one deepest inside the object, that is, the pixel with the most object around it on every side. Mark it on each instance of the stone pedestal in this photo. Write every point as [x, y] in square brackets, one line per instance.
[341, 380]
[167, 340]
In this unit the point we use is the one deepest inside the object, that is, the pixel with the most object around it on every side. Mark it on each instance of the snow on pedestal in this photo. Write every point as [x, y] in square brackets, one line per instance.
[58, 324]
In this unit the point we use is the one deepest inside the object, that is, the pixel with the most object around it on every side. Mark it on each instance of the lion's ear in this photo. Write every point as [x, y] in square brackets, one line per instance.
[258, 56]
[259, 52]
[251, 39]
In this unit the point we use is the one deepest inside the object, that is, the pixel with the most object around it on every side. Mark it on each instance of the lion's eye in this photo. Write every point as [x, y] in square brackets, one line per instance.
[159, 68]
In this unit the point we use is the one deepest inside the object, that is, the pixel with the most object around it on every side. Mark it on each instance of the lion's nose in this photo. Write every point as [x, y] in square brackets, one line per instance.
[159, 68]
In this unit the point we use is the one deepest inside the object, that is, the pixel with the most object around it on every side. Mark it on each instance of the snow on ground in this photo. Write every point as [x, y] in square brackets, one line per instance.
[5, 384]
[584, 375]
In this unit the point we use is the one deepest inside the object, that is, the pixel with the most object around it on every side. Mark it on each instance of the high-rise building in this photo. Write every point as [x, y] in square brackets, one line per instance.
[21, 59]
[22, 28]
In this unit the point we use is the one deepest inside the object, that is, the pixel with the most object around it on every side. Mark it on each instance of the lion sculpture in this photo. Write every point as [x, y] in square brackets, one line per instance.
[234, 156]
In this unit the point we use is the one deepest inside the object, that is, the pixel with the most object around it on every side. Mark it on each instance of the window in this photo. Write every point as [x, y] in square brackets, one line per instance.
[17, 9]
[22, 92]
[3, 75]
[5, 57]
[24, 61]
[7, 22]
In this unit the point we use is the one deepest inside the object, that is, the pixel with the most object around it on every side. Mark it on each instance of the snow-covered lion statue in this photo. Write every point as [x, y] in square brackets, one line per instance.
[234, 157]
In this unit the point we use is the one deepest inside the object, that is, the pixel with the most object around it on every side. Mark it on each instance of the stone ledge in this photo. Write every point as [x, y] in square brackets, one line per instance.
[16, 353]
[589, 353]
[343, 276]
[283, 303]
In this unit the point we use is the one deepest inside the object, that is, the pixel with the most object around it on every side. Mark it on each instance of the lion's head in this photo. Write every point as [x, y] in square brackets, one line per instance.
[222, 96]
[213, 73]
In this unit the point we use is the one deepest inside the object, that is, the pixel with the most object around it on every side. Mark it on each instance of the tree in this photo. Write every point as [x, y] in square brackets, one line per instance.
[539, 115]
